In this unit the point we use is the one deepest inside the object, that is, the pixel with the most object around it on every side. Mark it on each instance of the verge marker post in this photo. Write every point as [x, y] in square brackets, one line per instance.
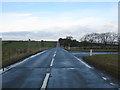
[90, 52]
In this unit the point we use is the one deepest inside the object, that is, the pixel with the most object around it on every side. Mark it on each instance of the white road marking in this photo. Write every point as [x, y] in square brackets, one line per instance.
[13, 65]
[112, 83]
[5, 69]
[55, 52]
[80, 60]
[83, 62]
[44, 85]
[71, 68]
[104, 78]
[51, 64]
[54, 55]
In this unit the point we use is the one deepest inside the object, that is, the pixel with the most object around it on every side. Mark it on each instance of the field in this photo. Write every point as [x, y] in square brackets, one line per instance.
[94, 50]
[106, 62]
[14, 51]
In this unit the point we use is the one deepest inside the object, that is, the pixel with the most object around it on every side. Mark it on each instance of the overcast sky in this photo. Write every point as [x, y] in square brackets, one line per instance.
[50, 20]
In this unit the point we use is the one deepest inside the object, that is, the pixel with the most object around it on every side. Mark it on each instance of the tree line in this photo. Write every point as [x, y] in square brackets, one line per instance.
[93, 40]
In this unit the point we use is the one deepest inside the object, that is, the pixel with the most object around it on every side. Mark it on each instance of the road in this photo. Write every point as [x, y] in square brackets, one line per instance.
[54, 68]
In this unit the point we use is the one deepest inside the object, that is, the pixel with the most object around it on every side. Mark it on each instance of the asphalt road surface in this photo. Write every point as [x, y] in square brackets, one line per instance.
[54, 68]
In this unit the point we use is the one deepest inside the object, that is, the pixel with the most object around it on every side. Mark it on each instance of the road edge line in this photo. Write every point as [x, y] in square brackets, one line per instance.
[84, 63]
[15, 64]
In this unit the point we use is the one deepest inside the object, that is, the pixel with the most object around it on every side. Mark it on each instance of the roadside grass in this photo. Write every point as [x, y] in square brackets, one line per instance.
[14, 51]
[107, 63]
[94, 50]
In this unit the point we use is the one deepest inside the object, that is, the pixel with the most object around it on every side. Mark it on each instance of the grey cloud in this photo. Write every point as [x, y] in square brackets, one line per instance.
[15, 33]
[26, 34]
[54, 33]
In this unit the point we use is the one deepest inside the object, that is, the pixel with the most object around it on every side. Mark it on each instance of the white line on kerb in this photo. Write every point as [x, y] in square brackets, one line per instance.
[112, 83]
[13, 65]
[83, 62]
[44, 85]
[5, 69]
[104, 78]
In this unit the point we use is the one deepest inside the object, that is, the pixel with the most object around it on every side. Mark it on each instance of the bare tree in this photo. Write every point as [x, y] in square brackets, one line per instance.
[106, 39]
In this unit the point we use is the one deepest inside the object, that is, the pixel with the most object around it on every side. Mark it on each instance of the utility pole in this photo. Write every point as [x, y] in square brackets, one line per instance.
[39, 45]
[29, 45]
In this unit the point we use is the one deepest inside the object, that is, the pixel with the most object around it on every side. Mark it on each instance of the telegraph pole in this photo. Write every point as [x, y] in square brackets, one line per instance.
[29, 45]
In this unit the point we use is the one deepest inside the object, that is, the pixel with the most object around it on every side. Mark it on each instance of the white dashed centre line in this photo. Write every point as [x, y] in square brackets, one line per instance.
[52, 62]
[53, 59]
[44, 85]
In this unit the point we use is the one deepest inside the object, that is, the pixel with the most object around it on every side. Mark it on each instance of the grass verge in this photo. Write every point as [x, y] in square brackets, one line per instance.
[15, 51]
[107, 63]
[94, 50]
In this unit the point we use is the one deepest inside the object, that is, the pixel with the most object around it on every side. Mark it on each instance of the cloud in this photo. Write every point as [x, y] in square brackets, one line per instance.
[54, 33]
[25, 35]
[52, 25]
[45, 20]
[31, 23]
[25, 26]
[105, 27]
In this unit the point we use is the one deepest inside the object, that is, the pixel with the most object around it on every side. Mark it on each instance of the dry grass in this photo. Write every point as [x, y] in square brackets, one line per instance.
[106, 62]
[94, 50]
[14, 51]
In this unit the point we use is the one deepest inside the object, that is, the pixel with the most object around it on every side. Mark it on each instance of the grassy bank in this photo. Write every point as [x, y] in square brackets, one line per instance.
[94, 50]
[106, 62]
[14, 51]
